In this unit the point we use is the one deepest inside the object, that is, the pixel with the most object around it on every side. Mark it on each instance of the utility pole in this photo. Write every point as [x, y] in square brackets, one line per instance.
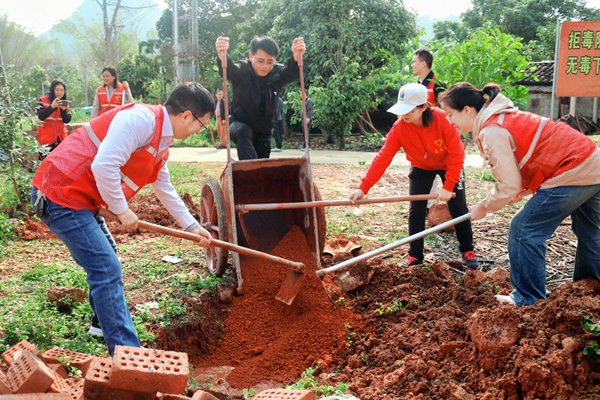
[194, 39]
[175, 42]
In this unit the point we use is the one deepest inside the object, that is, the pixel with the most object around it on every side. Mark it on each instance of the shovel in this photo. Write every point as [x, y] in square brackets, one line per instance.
[296, 266]
[290, 288]
[391, 246]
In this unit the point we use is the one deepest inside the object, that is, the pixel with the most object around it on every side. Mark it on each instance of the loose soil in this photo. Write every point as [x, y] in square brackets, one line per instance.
[424, 332]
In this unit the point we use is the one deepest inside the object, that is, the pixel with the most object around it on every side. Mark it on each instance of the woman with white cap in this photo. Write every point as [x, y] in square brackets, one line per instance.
[433, 147]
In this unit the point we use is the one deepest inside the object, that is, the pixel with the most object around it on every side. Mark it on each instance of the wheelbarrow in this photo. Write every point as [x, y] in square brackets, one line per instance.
[282, 180]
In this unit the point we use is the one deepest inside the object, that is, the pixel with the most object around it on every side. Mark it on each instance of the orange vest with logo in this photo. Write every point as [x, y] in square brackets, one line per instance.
[431, 92]
[545, 148]
[66, 177]
[52, 127]
[116, 99]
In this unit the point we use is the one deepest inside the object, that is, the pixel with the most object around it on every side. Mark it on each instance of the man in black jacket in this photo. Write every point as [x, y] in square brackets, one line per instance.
[257, 83]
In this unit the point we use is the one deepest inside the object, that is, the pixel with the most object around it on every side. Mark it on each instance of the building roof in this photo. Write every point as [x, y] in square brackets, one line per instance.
[544, 72]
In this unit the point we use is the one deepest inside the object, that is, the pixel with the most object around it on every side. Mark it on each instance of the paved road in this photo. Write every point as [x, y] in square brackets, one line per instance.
[200, 154]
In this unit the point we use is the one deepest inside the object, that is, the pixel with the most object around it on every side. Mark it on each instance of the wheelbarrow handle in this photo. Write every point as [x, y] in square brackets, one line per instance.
[391, 246]
[244, 208]
[214, 242]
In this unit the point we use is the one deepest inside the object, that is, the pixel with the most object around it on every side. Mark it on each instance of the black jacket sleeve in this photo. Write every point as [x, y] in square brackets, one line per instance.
[65, 115]
[44, 112]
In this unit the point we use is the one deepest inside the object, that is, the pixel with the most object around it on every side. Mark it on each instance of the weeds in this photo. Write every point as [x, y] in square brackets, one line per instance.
[308, 382]
[592, 351]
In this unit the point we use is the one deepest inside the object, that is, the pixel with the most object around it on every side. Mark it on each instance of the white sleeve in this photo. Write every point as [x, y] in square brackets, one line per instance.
[130, 130]
[168, 196]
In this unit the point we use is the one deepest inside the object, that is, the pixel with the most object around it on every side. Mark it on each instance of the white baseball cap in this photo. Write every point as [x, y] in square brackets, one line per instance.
[409, 96]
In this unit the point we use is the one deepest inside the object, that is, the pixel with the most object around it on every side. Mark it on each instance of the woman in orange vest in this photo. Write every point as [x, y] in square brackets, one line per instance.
[104, 164]
[112, 94]
[433, 148]
[552, 160]
[54, 114]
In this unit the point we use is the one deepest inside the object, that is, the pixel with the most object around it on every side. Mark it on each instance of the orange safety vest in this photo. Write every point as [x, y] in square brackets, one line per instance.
[545, 148]
[66, 177]
[431, 93]
[116, 99]
[52, 127]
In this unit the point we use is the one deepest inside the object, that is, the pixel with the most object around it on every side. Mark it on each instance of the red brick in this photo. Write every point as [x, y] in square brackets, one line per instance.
[9, 355]
[155, 370]
[36, 396]
[78, 360]
[95, 386]
[166, 396]
[28, 374]
[75, 387]
[202, 395]
[59, 369]
[59, 385]
[4, 384]
[283, 394]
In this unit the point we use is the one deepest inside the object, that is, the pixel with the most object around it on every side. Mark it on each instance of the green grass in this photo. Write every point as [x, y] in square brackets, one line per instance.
[487, 176]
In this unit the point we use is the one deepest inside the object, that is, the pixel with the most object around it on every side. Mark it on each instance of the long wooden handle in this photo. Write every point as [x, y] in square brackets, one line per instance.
[214, 242]
[244, 208]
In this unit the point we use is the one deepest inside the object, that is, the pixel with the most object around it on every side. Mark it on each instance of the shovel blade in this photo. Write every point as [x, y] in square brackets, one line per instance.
[290, 288]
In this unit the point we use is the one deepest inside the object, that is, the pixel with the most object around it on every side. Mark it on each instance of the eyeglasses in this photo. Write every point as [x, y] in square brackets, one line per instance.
[264, 63]
[203, 125]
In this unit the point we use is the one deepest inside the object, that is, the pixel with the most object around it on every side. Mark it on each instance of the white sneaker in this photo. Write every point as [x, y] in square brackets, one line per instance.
[95, 331]
[276, 150]
[505, 299]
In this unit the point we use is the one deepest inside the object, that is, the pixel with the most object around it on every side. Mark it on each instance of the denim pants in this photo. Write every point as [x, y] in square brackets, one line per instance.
[88, 239]
[533, 224]
[420, 181]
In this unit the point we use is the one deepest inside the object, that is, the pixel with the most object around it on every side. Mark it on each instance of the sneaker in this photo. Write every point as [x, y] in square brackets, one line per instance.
[304, 148]
[410, 260]
[470, 259]
[221, 147]
[505, 299]
[276, 150]
[95, 329]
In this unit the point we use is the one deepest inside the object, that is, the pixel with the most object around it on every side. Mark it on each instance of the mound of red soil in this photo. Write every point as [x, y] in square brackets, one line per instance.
[437, 338]
[266, 339]
[147, 207]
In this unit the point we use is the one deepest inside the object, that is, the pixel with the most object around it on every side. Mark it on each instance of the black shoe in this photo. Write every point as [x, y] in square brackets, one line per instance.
[410, 260]
[470, 260]
[95, 329]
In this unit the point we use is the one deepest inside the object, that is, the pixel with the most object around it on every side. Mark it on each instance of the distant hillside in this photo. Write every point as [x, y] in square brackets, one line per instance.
[141, 22]
[427, 23]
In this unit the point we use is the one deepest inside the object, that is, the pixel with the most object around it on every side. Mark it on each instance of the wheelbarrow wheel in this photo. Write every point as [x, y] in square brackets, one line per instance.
[213, 217]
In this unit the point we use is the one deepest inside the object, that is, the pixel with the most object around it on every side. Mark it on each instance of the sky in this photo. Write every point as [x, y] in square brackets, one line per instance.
[40, 15]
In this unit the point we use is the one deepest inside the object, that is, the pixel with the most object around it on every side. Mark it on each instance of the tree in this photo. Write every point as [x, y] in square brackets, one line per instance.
[451, 31]
[18, 46]
[522, 18]
[488, 56]
[17, 146]
[34, 79]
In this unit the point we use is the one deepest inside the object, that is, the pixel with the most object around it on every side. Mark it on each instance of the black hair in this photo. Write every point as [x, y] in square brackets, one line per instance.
[190, 96]
[53, 85]
[265, 44]
[113, 71]
[424, 55]
[463, 94]
[427, 114]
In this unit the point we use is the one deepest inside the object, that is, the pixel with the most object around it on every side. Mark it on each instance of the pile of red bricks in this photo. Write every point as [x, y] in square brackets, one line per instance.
[132, 374]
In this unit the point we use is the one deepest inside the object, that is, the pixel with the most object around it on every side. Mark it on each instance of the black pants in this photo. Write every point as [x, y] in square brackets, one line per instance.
[278, 134]
[420, 183]
[250, 145]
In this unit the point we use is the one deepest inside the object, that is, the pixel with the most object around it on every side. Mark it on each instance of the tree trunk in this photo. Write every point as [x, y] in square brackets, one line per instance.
[361, 128]
[14, 181]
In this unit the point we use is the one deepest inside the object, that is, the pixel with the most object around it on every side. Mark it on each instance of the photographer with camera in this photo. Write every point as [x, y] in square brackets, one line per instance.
[53, 110]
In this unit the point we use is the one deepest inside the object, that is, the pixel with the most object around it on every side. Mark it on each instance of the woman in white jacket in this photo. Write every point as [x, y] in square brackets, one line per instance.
[552, 160]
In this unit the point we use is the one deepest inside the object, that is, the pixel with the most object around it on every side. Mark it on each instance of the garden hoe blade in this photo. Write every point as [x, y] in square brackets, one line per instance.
[291, 286]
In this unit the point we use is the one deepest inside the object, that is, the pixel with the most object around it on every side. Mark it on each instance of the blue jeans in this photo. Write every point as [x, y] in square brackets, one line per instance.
[536, 222]
[93, 248]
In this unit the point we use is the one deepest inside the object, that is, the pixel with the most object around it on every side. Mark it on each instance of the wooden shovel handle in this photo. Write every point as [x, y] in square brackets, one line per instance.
[214, 242]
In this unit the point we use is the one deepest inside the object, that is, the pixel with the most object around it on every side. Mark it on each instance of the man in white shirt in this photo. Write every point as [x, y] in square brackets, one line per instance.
[104, 164]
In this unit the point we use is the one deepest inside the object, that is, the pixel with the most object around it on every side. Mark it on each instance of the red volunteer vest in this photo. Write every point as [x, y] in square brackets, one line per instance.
[66, 177]
[545, 148]
[52, 127]
[430, 92]
[116, 99]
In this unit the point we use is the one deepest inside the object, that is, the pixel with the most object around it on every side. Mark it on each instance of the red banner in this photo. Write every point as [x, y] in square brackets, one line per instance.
[578, 71]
